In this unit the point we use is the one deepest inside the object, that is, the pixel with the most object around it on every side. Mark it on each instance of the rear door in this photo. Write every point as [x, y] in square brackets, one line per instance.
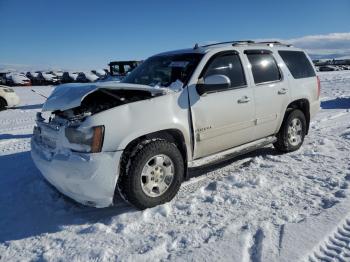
[225, 118]
[271, 91]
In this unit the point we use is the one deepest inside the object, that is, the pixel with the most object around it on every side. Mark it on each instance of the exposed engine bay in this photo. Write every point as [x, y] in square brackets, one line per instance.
[104, 99]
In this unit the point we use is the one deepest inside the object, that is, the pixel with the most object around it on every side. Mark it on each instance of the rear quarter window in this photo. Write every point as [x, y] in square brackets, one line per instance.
[298, 64]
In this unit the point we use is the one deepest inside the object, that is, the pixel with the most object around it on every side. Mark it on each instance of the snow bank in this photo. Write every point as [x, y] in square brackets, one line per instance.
[101, 72]
[73, 75]
[91, 76]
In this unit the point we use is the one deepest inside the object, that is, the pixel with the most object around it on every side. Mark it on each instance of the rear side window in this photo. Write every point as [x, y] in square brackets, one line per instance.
[264, 67]
[227, 64]
[297, 63]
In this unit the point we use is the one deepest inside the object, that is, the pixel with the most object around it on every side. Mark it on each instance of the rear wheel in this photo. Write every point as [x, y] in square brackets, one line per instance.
[3, 104]
[153, 174]
[292, 132]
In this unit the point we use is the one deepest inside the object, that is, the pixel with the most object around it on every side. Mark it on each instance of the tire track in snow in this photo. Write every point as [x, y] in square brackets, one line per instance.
[336, 247]
[22, 120]
[11, 129]
[253, 246]
[29, 118]
[255, 250]
[280, 238]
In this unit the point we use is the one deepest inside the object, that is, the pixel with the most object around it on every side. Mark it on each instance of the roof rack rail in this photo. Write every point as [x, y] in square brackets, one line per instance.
[269, 42]
[273, 43]
[227, 42]
[242, 42]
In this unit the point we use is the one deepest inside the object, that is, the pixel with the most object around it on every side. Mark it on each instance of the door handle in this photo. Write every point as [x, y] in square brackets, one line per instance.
[244, 99]
[282, 91]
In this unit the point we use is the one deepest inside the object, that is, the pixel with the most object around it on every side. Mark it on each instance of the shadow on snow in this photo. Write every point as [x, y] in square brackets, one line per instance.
[338, 103]
[10, 136]
[28, 107]
[31, 207]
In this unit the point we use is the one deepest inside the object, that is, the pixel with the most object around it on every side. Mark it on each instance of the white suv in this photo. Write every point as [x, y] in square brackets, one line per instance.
[8, 97]
[176, 110]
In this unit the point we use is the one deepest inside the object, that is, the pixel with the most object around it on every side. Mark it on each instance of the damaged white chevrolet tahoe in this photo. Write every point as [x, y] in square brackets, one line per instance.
[176, 110]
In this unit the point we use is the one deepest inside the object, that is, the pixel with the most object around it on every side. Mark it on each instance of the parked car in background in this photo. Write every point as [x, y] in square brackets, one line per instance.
[101, 73]
[49, 78]
[69, 77]
[326, 68]
[33, 76]
[8, 97]
[43, 78]
[58, 75]
[86, 77]
[122, 68]
[2, 78]
[17, 79]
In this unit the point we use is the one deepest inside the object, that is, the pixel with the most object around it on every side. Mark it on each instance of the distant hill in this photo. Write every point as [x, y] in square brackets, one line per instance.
[329, 56]
[22, 68]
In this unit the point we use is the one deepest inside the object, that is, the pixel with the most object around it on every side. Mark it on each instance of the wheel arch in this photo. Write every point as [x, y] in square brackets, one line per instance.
[4, 100]
[172, 135]
[302, 104]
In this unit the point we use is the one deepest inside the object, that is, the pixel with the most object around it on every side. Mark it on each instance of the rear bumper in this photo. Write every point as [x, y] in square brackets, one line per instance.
[89, 179]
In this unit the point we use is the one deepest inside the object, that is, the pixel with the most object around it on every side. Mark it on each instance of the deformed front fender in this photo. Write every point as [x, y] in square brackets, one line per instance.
[128, 122]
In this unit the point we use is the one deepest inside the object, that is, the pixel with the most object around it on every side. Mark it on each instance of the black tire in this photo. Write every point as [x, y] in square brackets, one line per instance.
[3, 104]
[283, 143]
[130, 178]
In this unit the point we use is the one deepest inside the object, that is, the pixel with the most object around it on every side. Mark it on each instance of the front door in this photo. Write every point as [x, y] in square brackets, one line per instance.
[225, 118]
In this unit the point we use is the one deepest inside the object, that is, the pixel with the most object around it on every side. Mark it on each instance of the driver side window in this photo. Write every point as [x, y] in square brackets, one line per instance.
[228, 64]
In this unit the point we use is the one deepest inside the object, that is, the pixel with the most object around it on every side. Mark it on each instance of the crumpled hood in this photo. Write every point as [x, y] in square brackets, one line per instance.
[68, 96]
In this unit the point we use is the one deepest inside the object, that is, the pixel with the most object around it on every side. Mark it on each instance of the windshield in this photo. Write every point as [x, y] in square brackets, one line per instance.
[164, 70]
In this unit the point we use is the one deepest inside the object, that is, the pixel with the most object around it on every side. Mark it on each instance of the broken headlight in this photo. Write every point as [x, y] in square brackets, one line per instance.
[87, 140]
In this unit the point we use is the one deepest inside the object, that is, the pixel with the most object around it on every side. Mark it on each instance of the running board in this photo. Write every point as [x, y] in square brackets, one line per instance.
[232, 152]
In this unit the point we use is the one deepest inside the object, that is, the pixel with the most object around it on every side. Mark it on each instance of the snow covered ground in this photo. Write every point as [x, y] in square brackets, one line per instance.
[259, 207]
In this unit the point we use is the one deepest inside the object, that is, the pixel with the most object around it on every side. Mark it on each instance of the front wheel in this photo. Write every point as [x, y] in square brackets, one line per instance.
[153, 175]
[292, 133]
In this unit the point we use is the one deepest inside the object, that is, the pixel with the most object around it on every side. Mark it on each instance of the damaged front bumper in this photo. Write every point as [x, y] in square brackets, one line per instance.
[89, 179]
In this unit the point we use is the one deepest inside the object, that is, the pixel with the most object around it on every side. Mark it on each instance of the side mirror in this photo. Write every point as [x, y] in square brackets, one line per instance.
[213, 83]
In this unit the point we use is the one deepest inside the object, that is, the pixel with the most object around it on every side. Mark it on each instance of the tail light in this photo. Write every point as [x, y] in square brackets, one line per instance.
[318, 87]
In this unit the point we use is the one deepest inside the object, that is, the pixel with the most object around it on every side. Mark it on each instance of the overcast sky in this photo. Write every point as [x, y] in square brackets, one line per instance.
[86, 34]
